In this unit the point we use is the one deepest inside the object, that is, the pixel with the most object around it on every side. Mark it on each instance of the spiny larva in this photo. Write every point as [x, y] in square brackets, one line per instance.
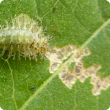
[24, 37]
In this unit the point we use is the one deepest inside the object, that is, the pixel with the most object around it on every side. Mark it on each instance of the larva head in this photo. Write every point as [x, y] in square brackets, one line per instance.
[40, 47]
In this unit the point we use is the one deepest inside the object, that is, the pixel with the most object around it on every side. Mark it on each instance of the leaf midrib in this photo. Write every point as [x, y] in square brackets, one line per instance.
[63, 64]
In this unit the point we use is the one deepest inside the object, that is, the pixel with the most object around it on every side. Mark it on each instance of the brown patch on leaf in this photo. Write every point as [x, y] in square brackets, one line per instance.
[58, 55]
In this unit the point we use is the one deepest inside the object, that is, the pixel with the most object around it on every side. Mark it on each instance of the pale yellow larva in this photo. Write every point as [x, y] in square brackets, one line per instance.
[24, 37]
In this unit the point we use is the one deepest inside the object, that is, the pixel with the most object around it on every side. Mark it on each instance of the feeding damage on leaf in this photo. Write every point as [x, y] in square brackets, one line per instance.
[24, 37]
[68, 76]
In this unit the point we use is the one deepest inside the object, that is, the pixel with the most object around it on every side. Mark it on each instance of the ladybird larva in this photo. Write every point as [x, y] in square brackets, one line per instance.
[24, 37]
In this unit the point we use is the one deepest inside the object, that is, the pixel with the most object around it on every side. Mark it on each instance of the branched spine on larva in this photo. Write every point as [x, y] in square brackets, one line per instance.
[24, 37]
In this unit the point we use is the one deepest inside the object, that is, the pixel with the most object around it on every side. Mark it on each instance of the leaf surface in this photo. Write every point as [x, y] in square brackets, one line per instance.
[84, 24]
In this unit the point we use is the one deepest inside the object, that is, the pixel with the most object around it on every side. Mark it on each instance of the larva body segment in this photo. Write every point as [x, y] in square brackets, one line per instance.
[24, 37]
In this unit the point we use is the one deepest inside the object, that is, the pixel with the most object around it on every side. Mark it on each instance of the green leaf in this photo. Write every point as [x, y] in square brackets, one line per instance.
[80, 31]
